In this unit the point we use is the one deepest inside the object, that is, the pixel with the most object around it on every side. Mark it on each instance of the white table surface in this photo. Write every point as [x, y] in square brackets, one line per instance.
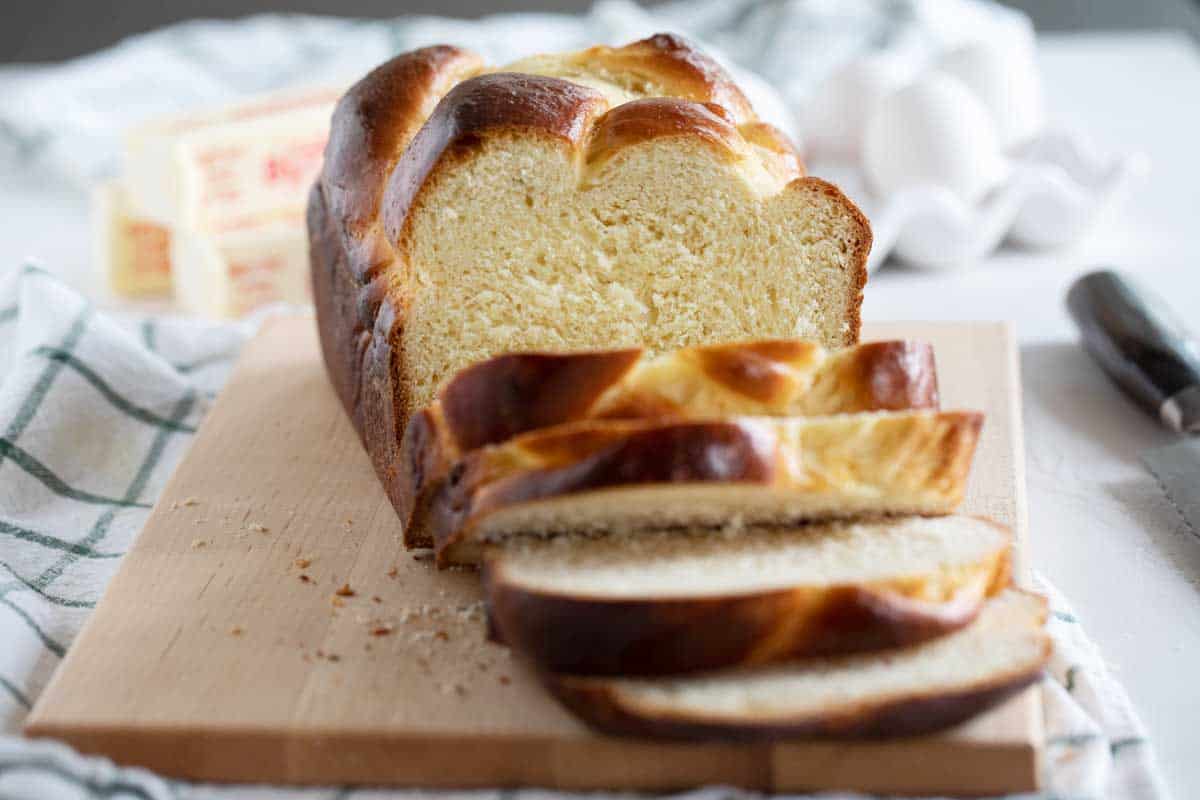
[1100, 527]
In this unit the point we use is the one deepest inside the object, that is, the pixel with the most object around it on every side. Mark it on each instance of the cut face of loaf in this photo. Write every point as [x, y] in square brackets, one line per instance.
[617, 475]
[505, 396]
[910, 691]
[607, 198]
[673, 602]
[653, 223]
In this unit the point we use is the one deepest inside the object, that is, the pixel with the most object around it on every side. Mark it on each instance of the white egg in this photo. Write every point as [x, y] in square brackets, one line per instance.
[833, 119]
[1003, 74]
[934, 131]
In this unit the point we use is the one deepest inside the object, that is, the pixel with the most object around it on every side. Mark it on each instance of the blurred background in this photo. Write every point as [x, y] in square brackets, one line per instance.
[999, 149]
[184, 135]
[38, 31]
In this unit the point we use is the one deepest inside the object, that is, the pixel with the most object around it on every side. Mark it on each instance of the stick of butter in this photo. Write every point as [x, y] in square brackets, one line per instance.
[151, 150]
[132, 252]
[226, 193]
[233, 273]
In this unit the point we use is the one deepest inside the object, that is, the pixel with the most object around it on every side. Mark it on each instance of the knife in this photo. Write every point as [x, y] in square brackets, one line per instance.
[1149, 354]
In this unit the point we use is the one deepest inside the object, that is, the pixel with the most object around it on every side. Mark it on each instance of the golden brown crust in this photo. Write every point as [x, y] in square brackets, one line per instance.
[676, 67]
[601, 703]
[658, 117]
[371, 127]
[486, 105]
[894, 376]
[491, 402]
[578, 634]
[357, 319]
[503, 397]
[393, 129]
[500, 398]
[914, 462]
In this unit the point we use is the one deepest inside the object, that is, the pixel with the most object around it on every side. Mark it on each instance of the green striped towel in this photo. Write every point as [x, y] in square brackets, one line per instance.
[95, 410]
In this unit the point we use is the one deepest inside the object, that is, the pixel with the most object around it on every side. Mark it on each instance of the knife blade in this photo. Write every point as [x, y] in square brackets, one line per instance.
[1152, 357]
[1175, 468]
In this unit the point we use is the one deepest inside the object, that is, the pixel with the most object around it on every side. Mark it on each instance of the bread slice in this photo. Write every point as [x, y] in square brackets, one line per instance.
[629, 475]
[607, 198]
[673, 602]
[909, 691]
[497, 399]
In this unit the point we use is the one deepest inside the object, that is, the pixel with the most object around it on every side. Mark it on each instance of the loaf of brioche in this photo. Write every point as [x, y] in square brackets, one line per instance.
[497, 399]
[614, 197]
[632, 475]
[609, 220]
[903, 692]
[684, 601]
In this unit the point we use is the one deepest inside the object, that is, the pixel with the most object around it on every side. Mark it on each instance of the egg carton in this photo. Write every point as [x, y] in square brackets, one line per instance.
[943, 142]
[1054, 187]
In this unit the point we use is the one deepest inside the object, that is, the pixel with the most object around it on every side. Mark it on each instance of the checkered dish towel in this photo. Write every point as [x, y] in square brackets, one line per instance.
[95, 412]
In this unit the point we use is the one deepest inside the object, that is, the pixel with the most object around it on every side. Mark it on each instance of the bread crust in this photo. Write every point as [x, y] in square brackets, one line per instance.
[487, 105]
[600, 703]
[923, 457]
[495, 400]
[584, 635]
[677, 67]
[414, 116]
[358, 318]
[656, 117]
[601, 706]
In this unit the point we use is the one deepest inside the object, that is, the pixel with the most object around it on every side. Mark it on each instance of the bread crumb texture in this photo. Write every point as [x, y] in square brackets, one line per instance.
[631, 198]
[666, 246]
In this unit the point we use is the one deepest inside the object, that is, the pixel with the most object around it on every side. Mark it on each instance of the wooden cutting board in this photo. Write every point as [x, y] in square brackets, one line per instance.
[222, 650]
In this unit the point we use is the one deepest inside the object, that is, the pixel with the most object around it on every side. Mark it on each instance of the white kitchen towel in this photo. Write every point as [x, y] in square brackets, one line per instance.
[96, 410]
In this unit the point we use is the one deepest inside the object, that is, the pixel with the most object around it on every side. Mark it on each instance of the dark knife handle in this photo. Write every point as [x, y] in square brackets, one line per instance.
[1145, 350]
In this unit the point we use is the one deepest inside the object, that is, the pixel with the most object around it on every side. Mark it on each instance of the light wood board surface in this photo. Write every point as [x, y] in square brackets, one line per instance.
[222, 651]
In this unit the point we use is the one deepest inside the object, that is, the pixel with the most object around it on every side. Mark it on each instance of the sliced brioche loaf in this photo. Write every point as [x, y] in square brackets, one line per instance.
[908, 691]
[605, 198]
[497, 399]
[629, 475]
[662, 603]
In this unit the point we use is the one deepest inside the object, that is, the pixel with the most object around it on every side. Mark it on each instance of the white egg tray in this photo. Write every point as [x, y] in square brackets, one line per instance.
[1055, 186]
